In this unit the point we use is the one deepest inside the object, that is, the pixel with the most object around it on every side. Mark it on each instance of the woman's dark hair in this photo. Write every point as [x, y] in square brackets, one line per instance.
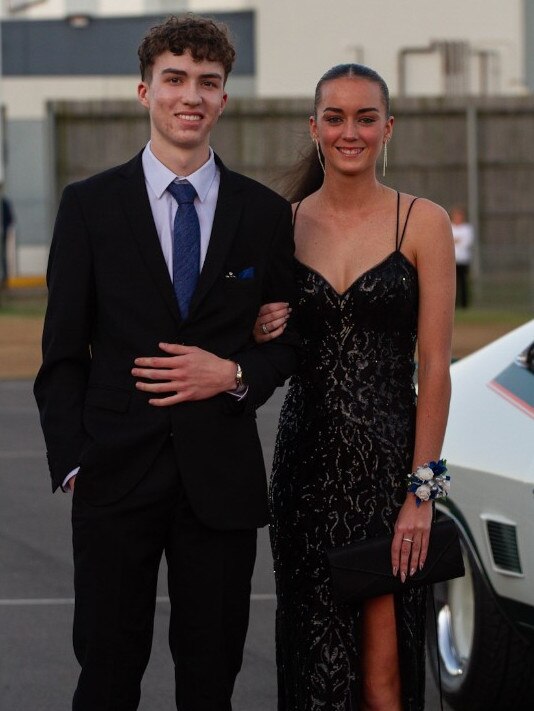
[307, 176]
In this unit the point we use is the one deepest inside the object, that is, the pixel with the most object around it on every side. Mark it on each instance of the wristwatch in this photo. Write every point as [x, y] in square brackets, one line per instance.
[239, 380]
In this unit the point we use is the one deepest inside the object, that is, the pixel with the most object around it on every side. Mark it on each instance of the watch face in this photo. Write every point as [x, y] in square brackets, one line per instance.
[239, 376]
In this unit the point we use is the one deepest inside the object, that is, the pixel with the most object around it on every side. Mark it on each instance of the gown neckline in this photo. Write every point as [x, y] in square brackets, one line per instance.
[341, 294]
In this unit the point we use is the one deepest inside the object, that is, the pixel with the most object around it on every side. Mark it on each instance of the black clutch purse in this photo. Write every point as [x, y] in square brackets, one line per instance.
[363, 569]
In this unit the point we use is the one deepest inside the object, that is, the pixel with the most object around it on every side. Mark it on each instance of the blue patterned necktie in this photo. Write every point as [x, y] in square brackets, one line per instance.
[186, 245]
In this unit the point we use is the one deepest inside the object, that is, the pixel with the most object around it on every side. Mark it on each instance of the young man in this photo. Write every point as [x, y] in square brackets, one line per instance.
[157, 271]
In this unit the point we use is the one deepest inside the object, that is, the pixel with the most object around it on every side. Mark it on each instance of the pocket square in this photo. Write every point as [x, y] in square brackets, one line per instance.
[247, 273]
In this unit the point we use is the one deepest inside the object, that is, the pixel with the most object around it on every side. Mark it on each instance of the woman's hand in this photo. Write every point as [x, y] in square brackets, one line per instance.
[271, 322]
[412, 534]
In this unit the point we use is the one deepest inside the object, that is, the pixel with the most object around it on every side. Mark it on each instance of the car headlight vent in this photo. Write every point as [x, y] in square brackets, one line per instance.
[504, 549]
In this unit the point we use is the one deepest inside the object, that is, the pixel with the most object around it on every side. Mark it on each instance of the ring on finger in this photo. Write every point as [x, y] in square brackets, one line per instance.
[408, 540]
[265, 329]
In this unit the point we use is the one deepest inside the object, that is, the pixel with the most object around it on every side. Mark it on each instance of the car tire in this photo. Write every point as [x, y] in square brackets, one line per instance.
[485, 664]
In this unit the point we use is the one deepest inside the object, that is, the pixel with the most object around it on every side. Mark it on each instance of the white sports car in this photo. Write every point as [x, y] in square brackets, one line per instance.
[485, 621]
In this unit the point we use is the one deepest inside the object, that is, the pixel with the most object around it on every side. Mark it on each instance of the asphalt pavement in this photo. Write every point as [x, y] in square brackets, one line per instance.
[37, 668]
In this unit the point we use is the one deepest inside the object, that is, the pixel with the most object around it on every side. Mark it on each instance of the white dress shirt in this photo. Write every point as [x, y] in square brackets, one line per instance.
[464, 237]
[205, 180]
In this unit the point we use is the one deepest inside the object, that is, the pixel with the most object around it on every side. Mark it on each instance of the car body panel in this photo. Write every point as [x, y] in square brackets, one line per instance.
[489, 447]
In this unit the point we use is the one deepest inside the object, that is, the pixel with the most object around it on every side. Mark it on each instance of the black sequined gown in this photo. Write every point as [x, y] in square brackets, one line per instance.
[345, 443]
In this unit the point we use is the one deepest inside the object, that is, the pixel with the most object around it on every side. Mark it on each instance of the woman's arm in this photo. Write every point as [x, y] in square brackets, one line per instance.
[436, 272]
[433, 251]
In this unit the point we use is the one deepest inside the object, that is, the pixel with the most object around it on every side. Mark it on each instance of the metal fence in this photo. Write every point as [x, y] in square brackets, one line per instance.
[477, 152]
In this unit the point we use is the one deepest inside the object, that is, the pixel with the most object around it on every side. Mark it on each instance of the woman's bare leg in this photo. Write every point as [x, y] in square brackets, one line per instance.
[381, 687]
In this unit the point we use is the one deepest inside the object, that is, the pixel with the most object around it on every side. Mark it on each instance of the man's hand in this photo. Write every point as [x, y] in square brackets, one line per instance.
[188, 372]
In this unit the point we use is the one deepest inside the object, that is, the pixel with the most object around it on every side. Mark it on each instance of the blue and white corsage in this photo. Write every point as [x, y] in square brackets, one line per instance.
[430, 481]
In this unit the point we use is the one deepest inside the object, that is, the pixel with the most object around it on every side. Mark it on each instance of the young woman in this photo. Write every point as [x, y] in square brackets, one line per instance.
[375, 271]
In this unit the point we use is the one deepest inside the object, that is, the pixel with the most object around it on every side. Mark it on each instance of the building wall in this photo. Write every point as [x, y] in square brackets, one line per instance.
[105, 46]
[27, 177]
[297, 44]
[529, 43]
[300, 39]
[46, 9]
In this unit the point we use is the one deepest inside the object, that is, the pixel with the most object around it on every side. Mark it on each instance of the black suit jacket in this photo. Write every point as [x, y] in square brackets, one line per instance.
[111, 300]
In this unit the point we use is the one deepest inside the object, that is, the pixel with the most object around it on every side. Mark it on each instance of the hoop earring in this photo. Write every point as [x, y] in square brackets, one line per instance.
[321, 162]
[385, 161]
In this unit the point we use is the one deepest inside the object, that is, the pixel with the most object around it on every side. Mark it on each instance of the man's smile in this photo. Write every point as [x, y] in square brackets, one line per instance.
[189, 117]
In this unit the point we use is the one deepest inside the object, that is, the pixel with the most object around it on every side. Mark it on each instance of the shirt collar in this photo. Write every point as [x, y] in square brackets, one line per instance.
[159, 176]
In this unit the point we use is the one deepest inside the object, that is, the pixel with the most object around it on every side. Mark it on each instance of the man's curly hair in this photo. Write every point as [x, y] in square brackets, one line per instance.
[204, 38]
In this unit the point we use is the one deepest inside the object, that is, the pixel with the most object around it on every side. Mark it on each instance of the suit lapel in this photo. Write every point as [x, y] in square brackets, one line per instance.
[225, 224]
[137, 209]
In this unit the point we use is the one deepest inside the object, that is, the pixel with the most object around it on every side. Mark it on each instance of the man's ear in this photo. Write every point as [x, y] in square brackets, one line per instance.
[224, 99]
[142, 92]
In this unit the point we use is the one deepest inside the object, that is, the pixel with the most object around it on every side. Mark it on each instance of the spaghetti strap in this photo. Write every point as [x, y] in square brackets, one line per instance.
[399, 244]
[296, 210]
[398, 220]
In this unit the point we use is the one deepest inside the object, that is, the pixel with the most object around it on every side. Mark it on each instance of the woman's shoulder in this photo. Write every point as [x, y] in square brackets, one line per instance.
[309, 201]
[295, 206]
[424, 209]
[428, 226]
[305, 209]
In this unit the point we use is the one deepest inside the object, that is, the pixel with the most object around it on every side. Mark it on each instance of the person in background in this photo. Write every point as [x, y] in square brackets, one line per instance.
[375, 275]
[8, 221]
[464, 238]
